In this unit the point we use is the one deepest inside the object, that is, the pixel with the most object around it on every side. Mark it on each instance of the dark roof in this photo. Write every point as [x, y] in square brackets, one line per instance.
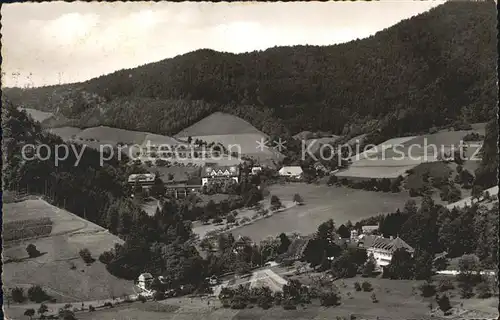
[391, 245]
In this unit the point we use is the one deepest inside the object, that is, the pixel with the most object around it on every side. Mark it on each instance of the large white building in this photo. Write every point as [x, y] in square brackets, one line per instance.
[212, 173]
[383, 248]
[143, 179]
[293, 172]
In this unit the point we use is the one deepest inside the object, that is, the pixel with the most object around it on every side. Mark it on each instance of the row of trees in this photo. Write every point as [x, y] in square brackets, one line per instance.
[293, 294]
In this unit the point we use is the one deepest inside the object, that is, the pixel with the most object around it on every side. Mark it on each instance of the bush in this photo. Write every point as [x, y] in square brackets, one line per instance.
[32, 251]
[108, 304]
[91, 308]
[357, 286]
[275, 203]
[29, 313]
[466, 290]
[427, 289]
[374, 298]
[217, 220]
[367, 286]
[18, 295]
[142, 298]
[483, 290]
[106, 257]
[86, 256]
[36, 294]
[158, 295]
[443, 302]
[298, 199]
[329, 298]
[230, 219]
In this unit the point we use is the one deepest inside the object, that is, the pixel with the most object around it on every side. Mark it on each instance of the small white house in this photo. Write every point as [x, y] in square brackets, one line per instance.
[294, 172]
[256, 170]
[145, 280]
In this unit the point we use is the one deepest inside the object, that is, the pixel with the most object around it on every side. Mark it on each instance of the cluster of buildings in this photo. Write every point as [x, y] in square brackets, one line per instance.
[209, 174]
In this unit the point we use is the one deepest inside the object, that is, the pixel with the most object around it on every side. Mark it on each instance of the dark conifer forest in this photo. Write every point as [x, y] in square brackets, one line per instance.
[431, 70]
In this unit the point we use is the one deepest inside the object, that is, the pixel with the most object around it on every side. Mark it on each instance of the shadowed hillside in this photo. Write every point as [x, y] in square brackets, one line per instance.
[430, 70]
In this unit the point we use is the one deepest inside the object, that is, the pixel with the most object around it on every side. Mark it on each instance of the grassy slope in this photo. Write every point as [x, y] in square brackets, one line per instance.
[59, 251]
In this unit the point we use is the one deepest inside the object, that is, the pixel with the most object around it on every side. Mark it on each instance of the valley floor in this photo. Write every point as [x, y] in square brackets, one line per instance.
[321, 203]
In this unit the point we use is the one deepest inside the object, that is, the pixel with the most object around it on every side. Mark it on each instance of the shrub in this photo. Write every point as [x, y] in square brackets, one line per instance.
[466, 290]
[32, 251]
[367, 286]
[329, 298]
[36, 294]
[142, 298]
[86, 256]
[230, 218]
[275, 203]
[427, 289]
[443, 302]
[374, 298]
[217, 220]
[298, 199]
[357, 286]
[29, 313]
[483, 290]
[158, 295]
[108, 304]
[18, 295]
[91, 308]
[106, 257]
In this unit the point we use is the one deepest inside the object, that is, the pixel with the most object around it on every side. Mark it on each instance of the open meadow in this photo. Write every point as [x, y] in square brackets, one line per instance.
[38, 115]
[321, 203]
[395, 156]
[59, 268]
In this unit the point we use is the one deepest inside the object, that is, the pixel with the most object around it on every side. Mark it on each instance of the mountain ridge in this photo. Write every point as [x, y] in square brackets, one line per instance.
[429, 70]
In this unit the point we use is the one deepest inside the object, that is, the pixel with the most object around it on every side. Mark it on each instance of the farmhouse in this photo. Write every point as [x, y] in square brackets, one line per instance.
[143, 179]
[294, 172]
[220, 173]
[383, 248]
[145, 280]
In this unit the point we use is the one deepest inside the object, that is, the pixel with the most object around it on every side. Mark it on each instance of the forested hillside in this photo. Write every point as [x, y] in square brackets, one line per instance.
[430, 70]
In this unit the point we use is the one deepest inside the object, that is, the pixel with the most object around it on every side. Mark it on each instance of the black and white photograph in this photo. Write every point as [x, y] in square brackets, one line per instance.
[333, 160]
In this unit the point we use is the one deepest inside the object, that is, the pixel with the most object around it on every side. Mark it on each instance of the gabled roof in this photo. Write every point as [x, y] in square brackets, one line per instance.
[386, 244]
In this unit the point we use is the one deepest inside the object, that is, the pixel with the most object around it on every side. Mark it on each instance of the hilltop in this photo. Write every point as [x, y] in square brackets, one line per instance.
[219, 123]
[430, 70]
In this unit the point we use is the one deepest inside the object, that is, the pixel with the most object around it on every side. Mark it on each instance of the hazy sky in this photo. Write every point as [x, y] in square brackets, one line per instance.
[58, 42]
